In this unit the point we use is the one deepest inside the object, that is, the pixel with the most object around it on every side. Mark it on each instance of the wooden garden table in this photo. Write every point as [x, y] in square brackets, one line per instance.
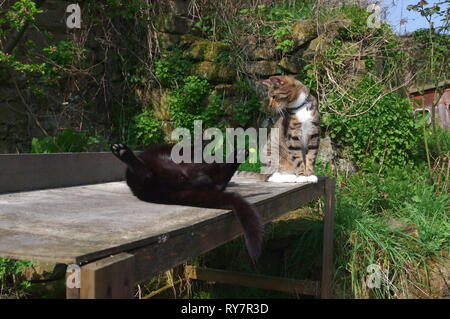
[72, 208]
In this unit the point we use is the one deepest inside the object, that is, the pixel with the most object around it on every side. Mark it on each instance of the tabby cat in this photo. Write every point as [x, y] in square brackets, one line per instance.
[299, 130]
[154, 177]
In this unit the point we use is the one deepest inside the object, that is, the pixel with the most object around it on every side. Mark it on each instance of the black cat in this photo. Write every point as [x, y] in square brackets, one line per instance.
[153, 177]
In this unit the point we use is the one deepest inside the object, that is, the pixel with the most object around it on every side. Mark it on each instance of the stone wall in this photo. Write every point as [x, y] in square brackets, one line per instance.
[23, 117]
[258, 57]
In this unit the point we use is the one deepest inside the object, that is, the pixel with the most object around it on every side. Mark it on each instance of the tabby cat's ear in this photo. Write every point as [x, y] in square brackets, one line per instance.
[267, 83]
[277, 80]
[274, 81]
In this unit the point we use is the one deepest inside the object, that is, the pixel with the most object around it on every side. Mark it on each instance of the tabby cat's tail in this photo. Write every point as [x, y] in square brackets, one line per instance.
[247, 215]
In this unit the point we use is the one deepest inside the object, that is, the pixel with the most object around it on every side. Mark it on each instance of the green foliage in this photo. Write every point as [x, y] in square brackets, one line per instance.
[366, 205]
[358, 27]
[213, 115]
[11, 282]
[65, 53]
[20, 13]
[172, 68]
[11, 61]
[282, 36]
[126, 8]
[147, 129]
[227, 21]
[430, 54]
[250, 166]
[203, 24]
[67, 141]
[396, 220]
[186, 104]
[60, 57]
[385, 132]
[245, 112]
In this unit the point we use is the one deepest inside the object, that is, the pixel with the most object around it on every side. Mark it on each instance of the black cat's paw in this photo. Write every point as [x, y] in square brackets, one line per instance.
[120, 150]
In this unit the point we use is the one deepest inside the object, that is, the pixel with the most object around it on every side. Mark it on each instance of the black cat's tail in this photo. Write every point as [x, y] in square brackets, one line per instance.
[247, 215]
[251, 223]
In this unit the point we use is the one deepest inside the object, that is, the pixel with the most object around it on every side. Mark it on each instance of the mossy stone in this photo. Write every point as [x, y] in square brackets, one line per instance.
[214, 72]
[262, 68]
[186, 40]
[171, 23]
[259, 48]
[224, 90]
[292, 63]
[206, 50]
[168, 41]
[159, 100]
[303, 31]
[319, 44]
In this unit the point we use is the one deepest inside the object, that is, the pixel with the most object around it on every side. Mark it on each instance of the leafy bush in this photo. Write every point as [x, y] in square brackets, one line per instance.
[10, 281]
[172, 68]
[21, 12]
[67, 141]
[385, 131]
[245, 112]
[358, 27]
[282, 36]
[186, 103]
[65, 53]
[147, 129]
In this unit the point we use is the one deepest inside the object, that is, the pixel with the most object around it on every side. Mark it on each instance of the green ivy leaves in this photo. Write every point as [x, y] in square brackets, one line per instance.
[385, 134]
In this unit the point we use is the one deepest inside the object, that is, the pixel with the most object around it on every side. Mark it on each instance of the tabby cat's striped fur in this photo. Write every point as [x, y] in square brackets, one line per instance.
[299, 129]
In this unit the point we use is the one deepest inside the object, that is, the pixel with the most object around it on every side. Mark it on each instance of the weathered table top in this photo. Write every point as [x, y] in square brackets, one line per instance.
[84, 223]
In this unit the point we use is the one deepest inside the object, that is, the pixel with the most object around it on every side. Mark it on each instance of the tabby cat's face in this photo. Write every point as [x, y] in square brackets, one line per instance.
[284, 91]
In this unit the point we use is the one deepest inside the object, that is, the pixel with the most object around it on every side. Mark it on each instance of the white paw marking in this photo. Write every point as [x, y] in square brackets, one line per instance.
[312, 179]
[282, 178]
[301, 179]
[307, 179]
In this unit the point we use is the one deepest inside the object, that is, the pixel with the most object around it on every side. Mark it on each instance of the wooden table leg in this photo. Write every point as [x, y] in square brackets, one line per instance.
[111, 277]
[328, 228]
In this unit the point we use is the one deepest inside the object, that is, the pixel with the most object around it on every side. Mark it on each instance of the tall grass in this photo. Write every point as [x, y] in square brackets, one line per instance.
[396, 221]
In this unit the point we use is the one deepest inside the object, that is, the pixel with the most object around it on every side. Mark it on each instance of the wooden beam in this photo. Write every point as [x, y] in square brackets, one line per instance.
[166, 292]
[302, 287]
[23, 172]
[328, 228]
[111, 277]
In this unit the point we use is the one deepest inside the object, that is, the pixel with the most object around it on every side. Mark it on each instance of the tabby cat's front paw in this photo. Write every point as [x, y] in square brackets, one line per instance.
[307, 179]
[282, 178]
